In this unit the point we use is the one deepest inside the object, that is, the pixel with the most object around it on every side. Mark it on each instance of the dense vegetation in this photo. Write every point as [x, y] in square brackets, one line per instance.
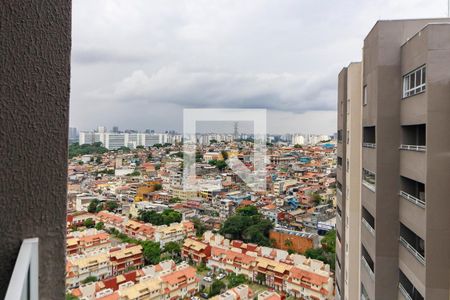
[235, 280]
[249, 226]
[216, 288]
[95, 206]
[76, 149]
[219, 164]
[200, 227]
[327, 253]
[167, 217]
[151, 250]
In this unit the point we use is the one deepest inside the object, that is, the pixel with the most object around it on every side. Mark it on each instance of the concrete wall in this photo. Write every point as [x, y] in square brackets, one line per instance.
[34, 105]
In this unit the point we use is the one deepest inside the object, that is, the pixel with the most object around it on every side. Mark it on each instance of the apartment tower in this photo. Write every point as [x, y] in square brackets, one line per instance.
[404, 228]
[348, 219]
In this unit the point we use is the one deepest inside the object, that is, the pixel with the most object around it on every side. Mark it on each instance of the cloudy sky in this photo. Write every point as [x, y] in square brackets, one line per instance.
[137, 64]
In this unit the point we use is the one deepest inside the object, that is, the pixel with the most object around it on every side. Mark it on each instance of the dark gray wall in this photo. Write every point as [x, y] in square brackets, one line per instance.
[35, 41]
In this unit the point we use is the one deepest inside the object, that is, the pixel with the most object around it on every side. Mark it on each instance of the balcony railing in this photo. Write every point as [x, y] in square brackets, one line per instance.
[413, 148]
[413, 199]
[369, 145]
[404, 292]
[24, 283]
[369, 185]
[412, 250]
[366, 265]
[367, 225]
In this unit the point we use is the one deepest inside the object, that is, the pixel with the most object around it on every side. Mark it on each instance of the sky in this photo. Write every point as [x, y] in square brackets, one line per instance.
[138, 64]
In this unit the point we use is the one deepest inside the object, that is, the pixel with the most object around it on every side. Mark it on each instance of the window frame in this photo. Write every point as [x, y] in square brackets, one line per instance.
[418, 87]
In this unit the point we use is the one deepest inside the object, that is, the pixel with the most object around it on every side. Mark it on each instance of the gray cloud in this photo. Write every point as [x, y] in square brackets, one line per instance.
[138, 64]
[283, 92]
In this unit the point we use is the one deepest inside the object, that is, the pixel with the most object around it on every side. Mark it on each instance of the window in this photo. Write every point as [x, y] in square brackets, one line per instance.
[339, 135]
[365, 95]
[368, 178]
[414, 82]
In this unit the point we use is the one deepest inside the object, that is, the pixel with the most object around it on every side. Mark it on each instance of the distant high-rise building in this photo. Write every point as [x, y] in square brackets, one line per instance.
[405, 165]
[73, 133]
[115, 129]
[101, 129]
[236, 130]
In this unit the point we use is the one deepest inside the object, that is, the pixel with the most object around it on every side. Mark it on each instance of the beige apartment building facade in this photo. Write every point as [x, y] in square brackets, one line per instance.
[348, 219]
[404, 177]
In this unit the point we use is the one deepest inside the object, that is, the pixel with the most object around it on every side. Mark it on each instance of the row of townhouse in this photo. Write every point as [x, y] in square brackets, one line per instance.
[163, 234]
[164, 281]
[293, 274]
[103, 263]
[81, 242]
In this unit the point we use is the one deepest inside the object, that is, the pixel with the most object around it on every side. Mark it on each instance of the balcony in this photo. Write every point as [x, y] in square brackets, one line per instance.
[367, 262]
[367, 267]
[369, 145]
[24, 283]
[407, 289]
[368, 227]
[364, 295]
[418, 148]
[404, 292]
[412, 199]
[368, 220]
[368, 179]
[413, 243]
[414, 138]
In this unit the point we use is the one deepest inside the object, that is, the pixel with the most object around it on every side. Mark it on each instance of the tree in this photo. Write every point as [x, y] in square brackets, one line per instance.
[134, 173]
[93, 206]
[199, 226]
[100, 226]
[167, 217]
[317, 199]
[111, 205]
[224, 154]
[98, 160]
[329, 241]
[124, 149]
[89, 223]
[261, 278]
[89, 279]
[298, 146]
[151, 252]
[76, 149]
[71, 297]
[158, 186]
[288, 243]
[174, 200]
[235, 280]
[173, 249]
[157, 145]
[216, 288]
[248, 225]
[249, 210]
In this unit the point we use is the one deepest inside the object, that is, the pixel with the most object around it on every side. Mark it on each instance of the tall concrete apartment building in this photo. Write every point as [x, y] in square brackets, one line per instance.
[348, 219]
[393, 224]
